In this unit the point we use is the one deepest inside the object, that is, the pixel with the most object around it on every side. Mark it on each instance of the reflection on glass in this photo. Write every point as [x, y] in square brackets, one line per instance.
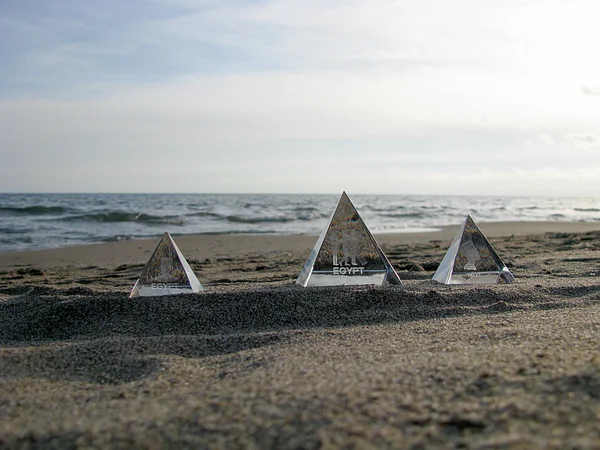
[472, 260]
[346, 253]
[166, 273]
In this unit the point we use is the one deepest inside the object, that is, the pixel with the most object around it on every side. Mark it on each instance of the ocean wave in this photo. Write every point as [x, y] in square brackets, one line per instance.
[27, 239]
[118, 238]
[242, 219]
[303, 209]
[15, 230]
[116, 217]
[300, 214]
[55, 220]
[587, 209]
[311, 216]
[206, 214]
[228, 232]
[37, 210]
[382, 208]
[408, 215]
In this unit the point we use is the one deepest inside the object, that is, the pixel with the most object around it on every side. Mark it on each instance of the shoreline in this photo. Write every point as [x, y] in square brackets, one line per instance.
[210, 246]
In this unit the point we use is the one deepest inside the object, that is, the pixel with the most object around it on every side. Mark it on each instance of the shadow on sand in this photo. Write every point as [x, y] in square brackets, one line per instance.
[110, 339]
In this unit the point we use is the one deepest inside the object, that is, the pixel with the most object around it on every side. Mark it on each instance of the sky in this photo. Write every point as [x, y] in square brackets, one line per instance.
[301, 96]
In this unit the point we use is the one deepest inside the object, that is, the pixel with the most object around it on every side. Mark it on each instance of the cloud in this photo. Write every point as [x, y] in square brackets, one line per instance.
[590, 91]
[544, 180]
[546, 139]
[147, 94]
[583, 140]
[215, 134]
[157, 40]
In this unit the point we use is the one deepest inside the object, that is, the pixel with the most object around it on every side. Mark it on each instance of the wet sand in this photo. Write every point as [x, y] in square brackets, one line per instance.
[258, 362]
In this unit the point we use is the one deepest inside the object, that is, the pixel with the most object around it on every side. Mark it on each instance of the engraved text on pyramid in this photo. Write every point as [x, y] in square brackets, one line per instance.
[351, 262]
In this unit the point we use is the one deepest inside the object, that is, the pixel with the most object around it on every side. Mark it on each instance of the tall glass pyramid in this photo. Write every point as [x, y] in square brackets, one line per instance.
[166, 273]
[346, 253]
[472, 260]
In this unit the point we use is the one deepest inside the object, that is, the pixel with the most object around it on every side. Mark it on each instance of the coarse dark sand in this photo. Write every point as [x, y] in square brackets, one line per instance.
[258, 362]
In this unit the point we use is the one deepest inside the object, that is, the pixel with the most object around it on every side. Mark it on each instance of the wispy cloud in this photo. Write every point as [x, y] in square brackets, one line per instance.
[590, 91]
[155, 40]
[584, 140]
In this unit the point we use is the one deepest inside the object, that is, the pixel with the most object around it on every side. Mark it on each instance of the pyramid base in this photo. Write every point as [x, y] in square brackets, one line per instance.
[499, 277]
[160, 290]
[329, 279]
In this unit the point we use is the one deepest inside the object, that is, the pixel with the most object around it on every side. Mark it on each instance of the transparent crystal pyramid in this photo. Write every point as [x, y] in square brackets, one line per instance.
[346, 253]
[166, 273]
[472, 260]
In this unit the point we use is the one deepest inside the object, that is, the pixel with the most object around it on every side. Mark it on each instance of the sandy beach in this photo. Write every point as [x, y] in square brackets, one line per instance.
[256, 361]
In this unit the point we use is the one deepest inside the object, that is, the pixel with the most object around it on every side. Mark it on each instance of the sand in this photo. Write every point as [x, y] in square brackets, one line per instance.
[258, 362]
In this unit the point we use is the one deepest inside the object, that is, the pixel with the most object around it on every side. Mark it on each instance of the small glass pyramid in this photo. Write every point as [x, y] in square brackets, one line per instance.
[472, 260]
[346, 253]
[166, 273]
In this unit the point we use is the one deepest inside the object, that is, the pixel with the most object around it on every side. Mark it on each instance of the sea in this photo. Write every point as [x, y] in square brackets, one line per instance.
[38, 221]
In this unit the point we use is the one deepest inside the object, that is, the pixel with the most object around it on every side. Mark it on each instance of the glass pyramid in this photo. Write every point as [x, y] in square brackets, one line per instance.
[166, 273]
[472, 260]
[346, 253]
